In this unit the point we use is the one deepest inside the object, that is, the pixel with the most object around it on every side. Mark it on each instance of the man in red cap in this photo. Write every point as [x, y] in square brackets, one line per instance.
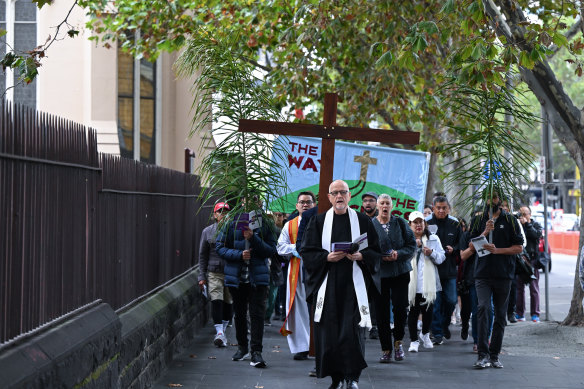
[211, 274]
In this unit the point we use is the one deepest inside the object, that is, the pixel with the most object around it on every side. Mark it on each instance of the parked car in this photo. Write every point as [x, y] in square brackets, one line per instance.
[570, 222]
[538, 217]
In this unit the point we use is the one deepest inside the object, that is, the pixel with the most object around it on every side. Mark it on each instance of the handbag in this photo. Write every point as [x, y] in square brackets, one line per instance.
[524, 269]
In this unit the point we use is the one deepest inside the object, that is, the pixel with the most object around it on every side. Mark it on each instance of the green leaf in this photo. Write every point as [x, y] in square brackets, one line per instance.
[559, 39]
[477, 51]
[41, 3]
[385, 60]
[72, 33]
[429, 27]
[525, 60]
[448, 7]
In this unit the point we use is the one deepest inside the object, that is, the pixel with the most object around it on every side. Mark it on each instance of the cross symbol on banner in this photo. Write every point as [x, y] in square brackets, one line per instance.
[328, 132]
[365, 160]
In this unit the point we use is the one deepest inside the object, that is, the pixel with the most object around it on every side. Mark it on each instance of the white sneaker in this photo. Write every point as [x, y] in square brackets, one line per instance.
[427, 343]
[414, 346]
[419, 325]
[220, 340]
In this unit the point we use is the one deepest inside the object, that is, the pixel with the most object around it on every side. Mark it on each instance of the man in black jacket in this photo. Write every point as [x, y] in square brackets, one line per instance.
[494, 273]
[449, 232]
[532, 231]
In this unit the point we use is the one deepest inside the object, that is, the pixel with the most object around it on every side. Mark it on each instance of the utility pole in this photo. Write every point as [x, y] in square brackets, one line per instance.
[546, 177]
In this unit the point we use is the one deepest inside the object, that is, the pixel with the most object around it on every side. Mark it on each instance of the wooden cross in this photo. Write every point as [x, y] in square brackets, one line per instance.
[328, 132]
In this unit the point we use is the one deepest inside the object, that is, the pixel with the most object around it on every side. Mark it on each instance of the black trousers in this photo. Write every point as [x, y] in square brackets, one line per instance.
[394, 289]
[253, 298]
[420, 306]
[496, 290]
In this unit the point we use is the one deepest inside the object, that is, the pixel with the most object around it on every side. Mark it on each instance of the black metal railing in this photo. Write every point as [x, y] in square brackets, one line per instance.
[76, 225]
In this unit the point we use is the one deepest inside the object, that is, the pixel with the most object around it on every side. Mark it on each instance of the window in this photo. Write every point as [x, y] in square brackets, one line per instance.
[18, 18]
[137, 116]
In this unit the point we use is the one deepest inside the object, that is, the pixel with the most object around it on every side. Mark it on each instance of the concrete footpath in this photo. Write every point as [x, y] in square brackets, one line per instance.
[535, 355]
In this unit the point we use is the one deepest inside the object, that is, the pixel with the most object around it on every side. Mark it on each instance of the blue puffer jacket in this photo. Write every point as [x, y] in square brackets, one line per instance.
[230, 245]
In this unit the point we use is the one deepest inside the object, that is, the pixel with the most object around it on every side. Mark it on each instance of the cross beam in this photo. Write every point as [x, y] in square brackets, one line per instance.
[328, 132]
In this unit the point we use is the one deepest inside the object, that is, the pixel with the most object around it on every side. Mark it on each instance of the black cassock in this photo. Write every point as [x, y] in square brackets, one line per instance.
[338, 339]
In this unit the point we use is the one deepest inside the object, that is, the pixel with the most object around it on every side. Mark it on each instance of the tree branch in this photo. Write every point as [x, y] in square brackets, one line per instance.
[564, 116]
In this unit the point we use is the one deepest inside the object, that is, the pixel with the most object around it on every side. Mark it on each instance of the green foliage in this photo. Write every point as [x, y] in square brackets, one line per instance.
[225, 90]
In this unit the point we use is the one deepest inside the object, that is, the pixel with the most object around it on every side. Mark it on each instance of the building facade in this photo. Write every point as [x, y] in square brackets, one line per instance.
[139, 109]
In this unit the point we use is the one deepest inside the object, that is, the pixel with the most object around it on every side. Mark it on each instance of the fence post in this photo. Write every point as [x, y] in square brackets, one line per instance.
[189, 160]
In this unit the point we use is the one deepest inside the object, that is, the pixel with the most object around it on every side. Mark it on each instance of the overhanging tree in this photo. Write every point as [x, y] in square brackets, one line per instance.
[388, 57]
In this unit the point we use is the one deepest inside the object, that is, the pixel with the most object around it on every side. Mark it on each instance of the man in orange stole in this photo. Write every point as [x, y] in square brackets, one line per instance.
[296, 327]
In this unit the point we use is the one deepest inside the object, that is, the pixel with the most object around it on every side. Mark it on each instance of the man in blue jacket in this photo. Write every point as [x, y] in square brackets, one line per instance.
[247, 275]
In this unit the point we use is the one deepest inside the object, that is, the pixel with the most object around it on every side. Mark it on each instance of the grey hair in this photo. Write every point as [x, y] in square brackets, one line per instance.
[385, 196]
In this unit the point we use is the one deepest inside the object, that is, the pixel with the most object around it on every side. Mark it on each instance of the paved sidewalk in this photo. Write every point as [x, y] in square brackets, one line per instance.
[535, 355]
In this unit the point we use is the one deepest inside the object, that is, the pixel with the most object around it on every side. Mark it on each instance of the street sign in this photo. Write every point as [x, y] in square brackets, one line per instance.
[574, 192]
[541, 170]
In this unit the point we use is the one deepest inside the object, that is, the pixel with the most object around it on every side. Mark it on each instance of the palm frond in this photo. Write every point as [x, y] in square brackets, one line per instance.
[226, 89]
[494, 152]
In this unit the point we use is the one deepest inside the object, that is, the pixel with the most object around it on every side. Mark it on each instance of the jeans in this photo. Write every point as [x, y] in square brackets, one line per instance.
[394, 289]
[253, 298]
[468, 311]
[512, 299]
[271, 301]
[444, 306]
[533, 296]
[495, 292]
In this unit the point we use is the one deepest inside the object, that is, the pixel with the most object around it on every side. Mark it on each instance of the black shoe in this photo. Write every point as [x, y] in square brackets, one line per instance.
[464, 331]
[257, 360]
[482, 362]
[446, 332]
[312, 373]
[336, 385]
[301, 356]
[511, 317]
[352, 384]
[496, 363]
[374, 333]
[437, 341]
[241, 354]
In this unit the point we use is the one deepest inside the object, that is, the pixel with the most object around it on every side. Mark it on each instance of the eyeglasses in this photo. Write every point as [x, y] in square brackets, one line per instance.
[305, 202]
[335, 193]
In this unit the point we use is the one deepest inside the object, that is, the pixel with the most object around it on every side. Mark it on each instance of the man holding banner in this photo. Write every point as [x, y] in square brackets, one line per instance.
[338, 274]
[296, 326]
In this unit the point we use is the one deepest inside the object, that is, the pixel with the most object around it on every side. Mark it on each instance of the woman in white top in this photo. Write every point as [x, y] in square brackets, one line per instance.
[424, 280]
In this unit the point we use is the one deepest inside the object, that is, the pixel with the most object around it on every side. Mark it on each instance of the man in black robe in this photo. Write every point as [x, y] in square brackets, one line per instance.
[338, 337]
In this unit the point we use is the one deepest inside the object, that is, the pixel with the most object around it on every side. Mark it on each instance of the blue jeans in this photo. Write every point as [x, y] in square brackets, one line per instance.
[444, 306]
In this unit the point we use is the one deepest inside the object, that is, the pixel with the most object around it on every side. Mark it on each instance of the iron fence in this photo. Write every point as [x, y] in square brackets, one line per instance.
[77, 226]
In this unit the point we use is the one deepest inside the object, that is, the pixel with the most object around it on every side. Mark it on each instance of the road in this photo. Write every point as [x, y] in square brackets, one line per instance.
[561, 286]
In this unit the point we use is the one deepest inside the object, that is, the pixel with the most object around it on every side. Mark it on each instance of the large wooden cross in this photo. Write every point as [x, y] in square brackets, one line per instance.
[328, 132]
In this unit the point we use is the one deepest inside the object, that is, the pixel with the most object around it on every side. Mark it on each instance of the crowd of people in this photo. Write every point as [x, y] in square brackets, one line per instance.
[334, 278]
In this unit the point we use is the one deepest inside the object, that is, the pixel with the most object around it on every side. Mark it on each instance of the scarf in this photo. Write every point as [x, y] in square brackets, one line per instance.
[429, 276]
[358, 279]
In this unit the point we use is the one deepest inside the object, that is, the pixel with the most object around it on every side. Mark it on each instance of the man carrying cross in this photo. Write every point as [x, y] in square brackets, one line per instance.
[338, 282]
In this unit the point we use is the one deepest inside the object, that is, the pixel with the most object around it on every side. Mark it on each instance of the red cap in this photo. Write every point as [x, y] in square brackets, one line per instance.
[218, 206]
